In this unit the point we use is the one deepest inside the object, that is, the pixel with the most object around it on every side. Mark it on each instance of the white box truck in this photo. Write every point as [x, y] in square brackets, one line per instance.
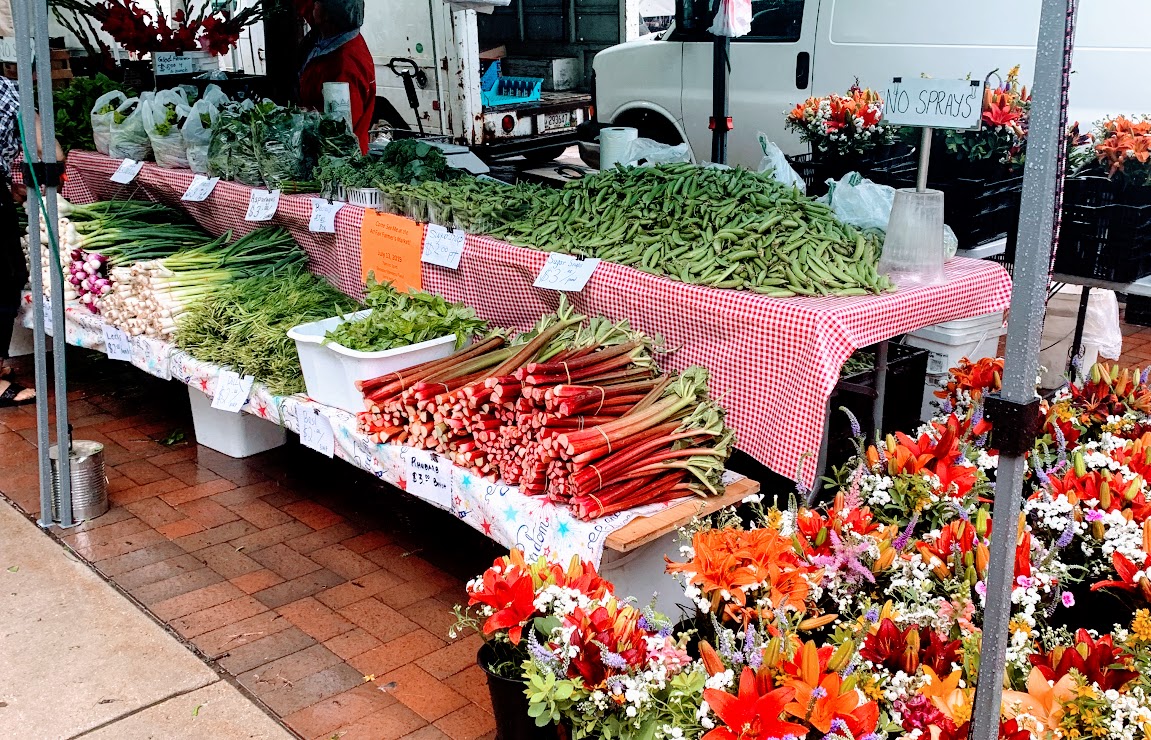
[662, 84]
[438, 44]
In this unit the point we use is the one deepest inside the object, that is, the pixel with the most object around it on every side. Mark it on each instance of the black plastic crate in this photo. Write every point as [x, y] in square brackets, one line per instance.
[817, 169]
[1103, 235]
[1137, 311]
[978, 210]
[906, 377]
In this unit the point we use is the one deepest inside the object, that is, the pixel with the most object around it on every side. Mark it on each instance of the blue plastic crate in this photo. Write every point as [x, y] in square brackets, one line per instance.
[496, 90]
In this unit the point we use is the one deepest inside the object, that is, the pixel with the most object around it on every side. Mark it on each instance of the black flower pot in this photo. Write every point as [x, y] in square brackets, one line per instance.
[510, 704]
[1096, 610]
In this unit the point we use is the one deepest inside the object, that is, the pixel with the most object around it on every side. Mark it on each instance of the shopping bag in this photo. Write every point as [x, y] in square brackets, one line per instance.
[775, 161]
[733, 19]
[102, 113]
[128, 138]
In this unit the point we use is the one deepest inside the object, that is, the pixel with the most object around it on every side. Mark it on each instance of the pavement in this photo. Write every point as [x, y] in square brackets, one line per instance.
[79, 660]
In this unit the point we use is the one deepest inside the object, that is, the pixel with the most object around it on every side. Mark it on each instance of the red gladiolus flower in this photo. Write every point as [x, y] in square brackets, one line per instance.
[750, 716]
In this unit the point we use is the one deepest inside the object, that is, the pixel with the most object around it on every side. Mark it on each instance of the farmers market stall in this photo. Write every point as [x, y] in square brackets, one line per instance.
[774, 361]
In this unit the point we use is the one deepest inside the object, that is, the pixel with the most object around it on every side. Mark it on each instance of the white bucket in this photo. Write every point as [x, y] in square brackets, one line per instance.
[1059, 334]
[235, 435]
[949, 342]
[613, 144]
[331, 370]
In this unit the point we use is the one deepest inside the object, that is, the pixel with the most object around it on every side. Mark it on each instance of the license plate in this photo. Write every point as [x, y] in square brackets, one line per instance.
[558, 121]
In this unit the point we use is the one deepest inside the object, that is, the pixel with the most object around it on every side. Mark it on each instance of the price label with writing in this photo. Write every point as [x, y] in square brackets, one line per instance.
[315, 430]
[443, 246]
[429, 476]
[153, 356]
[201, 187]
[171, 63]
[324, 215]
[117, 344]
[262, 205]
[46, 306]
[127, 171]
[565, 272]
[231, 391]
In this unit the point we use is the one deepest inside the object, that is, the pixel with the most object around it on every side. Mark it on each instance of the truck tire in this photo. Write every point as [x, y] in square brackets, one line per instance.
[651, 125]
[547, 154]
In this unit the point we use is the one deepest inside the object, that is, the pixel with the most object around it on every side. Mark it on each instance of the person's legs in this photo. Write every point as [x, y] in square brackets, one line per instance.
[13, 277]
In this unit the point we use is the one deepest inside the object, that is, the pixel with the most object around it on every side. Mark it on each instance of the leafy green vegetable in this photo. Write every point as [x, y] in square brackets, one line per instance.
[400, 319]
[245, 326]
[171, 118]
[73, 103]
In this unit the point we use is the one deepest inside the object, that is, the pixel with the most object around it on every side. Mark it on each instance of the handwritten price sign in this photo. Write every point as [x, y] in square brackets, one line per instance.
[565, 272]
[117, 344]
[443, 246]
[201, 187]
[171, 63]
[127, 171]
[324, 216]
[429, 477]
[231, 391]
[315, 431]
[262, 205]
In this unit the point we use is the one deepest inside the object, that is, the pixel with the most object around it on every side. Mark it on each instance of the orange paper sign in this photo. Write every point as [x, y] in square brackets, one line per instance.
[390, 249]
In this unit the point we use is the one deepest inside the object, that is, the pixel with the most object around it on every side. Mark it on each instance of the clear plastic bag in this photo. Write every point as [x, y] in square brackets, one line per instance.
[232, 149]
[214, 95]
[776, 161]
[647, 152]
[285, 147]
[102, 122]
[128, 138]
[733, 19]
[163, 117]
[197, 134]
[860, 202]
[1102, 332]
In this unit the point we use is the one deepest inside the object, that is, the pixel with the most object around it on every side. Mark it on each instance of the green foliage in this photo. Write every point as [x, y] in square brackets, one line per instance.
[401, 319]
[73, 104]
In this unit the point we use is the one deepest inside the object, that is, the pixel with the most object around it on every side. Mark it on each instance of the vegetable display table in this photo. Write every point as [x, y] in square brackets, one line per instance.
[774, 362]
[629, 546]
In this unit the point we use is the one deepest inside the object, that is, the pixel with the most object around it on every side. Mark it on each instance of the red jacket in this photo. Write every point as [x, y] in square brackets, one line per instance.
[351, 63]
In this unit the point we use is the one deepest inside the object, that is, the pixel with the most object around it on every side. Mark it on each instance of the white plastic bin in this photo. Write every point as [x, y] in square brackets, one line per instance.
[948, 343]
[331, 370]
[1102, 334]
[235, 435]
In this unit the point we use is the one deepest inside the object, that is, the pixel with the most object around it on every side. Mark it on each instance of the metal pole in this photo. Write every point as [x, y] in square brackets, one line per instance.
[1042, 194]
[1077, 339]
[719, 125]
[880, 386]
[22, 20]
[47, 134]
[924, 158]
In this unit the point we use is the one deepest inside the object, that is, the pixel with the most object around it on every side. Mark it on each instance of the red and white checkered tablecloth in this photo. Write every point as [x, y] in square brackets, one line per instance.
[773, 362]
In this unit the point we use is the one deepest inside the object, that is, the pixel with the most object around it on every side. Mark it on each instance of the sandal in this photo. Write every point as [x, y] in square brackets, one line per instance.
[8, 397]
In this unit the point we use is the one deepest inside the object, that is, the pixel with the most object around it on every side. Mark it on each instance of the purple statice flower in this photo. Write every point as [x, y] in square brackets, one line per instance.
[1060, 442]
[1143, 375]
[872, 615]
[851, 418]
[981, 441]
[540, 654]
[1066, 536]
[960, 511]
[901, 542]
[946, 406]
[850, 667]
[642, 623]
[882, 450]
[838, 725]
[818, 692]
[1093, 515]
[614, 661]
[748, 644]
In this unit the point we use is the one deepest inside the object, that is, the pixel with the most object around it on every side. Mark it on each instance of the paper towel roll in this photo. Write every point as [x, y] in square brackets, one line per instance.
[613, 145]
[338, 101]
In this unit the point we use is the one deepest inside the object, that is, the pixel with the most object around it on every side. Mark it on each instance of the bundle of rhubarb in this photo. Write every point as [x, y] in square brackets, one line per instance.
[574, 409]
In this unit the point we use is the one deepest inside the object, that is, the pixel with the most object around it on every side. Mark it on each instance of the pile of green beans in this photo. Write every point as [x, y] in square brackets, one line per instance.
[725, 228]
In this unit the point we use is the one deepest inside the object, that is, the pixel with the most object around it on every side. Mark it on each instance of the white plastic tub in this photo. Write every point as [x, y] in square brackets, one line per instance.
[951, 341]
[235, 435]
[331, 370]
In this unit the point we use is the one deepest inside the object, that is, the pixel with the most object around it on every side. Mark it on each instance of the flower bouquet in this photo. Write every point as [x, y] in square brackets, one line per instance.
[204, 27]
[845, 132]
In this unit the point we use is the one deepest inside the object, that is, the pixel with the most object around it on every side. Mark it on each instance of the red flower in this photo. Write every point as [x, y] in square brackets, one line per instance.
[750, 716]
[510, 590]
[1128, 580]
[892, 648]
[1097, 660]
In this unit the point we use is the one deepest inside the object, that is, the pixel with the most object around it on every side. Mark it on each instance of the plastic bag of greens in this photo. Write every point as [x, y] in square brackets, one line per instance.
[336, 139]
[102, 113]
[197, 134]
[214, 95]
[128, 138]
[285, 149]
[163, 117]
[232, 150]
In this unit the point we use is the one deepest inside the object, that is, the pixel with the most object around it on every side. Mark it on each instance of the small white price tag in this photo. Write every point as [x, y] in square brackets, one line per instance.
[262, 205]
[153, 356]
[324, 215]
[117, 344]
[46, 306]
[443, 247]
[127, 171]
[201, 187]
[231, 391]
[429, 477]
[172, 63]
[315, 430]
[565, 272]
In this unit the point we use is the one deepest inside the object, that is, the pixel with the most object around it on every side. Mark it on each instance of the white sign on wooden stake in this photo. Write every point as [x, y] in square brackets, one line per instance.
[928, 103]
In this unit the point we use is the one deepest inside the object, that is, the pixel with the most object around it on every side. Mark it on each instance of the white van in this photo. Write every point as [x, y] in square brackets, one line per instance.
[662, 84]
